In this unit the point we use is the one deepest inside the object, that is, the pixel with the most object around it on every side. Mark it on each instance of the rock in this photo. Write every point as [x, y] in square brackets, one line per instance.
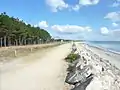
[74, 48]
[83, 85]
[95, 84]
[72, 66]
[106, 76]
[102, 69]
[78, 75]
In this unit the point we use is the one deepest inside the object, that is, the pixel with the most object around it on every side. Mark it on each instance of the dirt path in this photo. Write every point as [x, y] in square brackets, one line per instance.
[44, 73]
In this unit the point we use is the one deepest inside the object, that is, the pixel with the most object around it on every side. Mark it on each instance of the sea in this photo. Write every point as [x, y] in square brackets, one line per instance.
[109, 45]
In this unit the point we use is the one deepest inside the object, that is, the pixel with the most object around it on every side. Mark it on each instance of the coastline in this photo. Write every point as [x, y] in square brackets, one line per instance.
[105, 67]
[113, 58]
[108, 55]
[105, 49]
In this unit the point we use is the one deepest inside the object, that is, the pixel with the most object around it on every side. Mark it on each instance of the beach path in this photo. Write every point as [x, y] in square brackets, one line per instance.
[46, 72]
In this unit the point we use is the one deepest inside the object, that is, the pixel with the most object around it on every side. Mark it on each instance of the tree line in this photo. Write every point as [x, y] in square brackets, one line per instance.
[16, 32]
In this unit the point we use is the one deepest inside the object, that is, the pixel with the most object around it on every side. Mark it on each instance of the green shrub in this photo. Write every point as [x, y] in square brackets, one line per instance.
[72, 57]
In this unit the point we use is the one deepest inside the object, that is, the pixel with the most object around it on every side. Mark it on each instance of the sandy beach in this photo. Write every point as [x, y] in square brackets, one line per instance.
[105, 67]
[45, 72]
[113, 58]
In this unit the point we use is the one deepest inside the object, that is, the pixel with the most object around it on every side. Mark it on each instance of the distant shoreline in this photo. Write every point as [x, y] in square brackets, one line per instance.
[112, 56]
[103, 48]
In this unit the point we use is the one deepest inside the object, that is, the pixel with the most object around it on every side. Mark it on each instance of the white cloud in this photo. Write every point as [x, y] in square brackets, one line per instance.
[116, 4]
[42, 24]
[35, 25]
[112, 35]
[114, 24]
[56, 5]
[116, 33]
[70, 28]
[76, 7]
[23, 21]
[114, 16]
[89, 29]
[104, 30]
[88, 2]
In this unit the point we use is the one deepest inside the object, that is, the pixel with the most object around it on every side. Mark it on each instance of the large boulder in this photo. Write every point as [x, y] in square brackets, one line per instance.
[83, 85]
[78, 76]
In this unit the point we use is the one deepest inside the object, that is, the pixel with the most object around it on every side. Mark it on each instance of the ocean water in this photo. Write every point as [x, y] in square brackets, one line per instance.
[110, 45]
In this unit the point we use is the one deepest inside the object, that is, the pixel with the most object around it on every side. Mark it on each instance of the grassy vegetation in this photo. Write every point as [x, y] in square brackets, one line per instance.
[72, 57]
[7, 53]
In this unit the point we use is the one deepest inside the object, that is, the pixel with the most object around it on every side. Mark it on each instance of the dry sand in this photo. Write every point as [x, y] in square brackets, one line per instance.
[43, 73]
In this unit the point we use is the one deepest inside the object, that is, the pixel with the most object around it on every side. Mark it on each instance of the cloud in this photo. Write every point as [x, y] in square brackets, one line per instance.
[81, 32]
[88, 2]
[104, 34]
[109, 34]
[70, 29]
[42, 24]
[114, 24]
[113, 16]
[116, 33]
[23, 21]
[76, 7]
[84, 3]
[56, 5]
[104, 30]
[116, 4]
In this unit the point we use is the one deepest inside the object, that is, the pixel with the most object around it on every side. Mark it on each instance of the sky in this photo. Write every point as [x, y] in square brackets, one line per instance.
[69, 19]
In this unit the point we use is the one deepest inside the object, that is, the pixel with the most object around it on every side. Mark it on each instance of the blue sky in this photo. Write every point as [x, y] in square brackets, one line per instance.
[69, 19]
